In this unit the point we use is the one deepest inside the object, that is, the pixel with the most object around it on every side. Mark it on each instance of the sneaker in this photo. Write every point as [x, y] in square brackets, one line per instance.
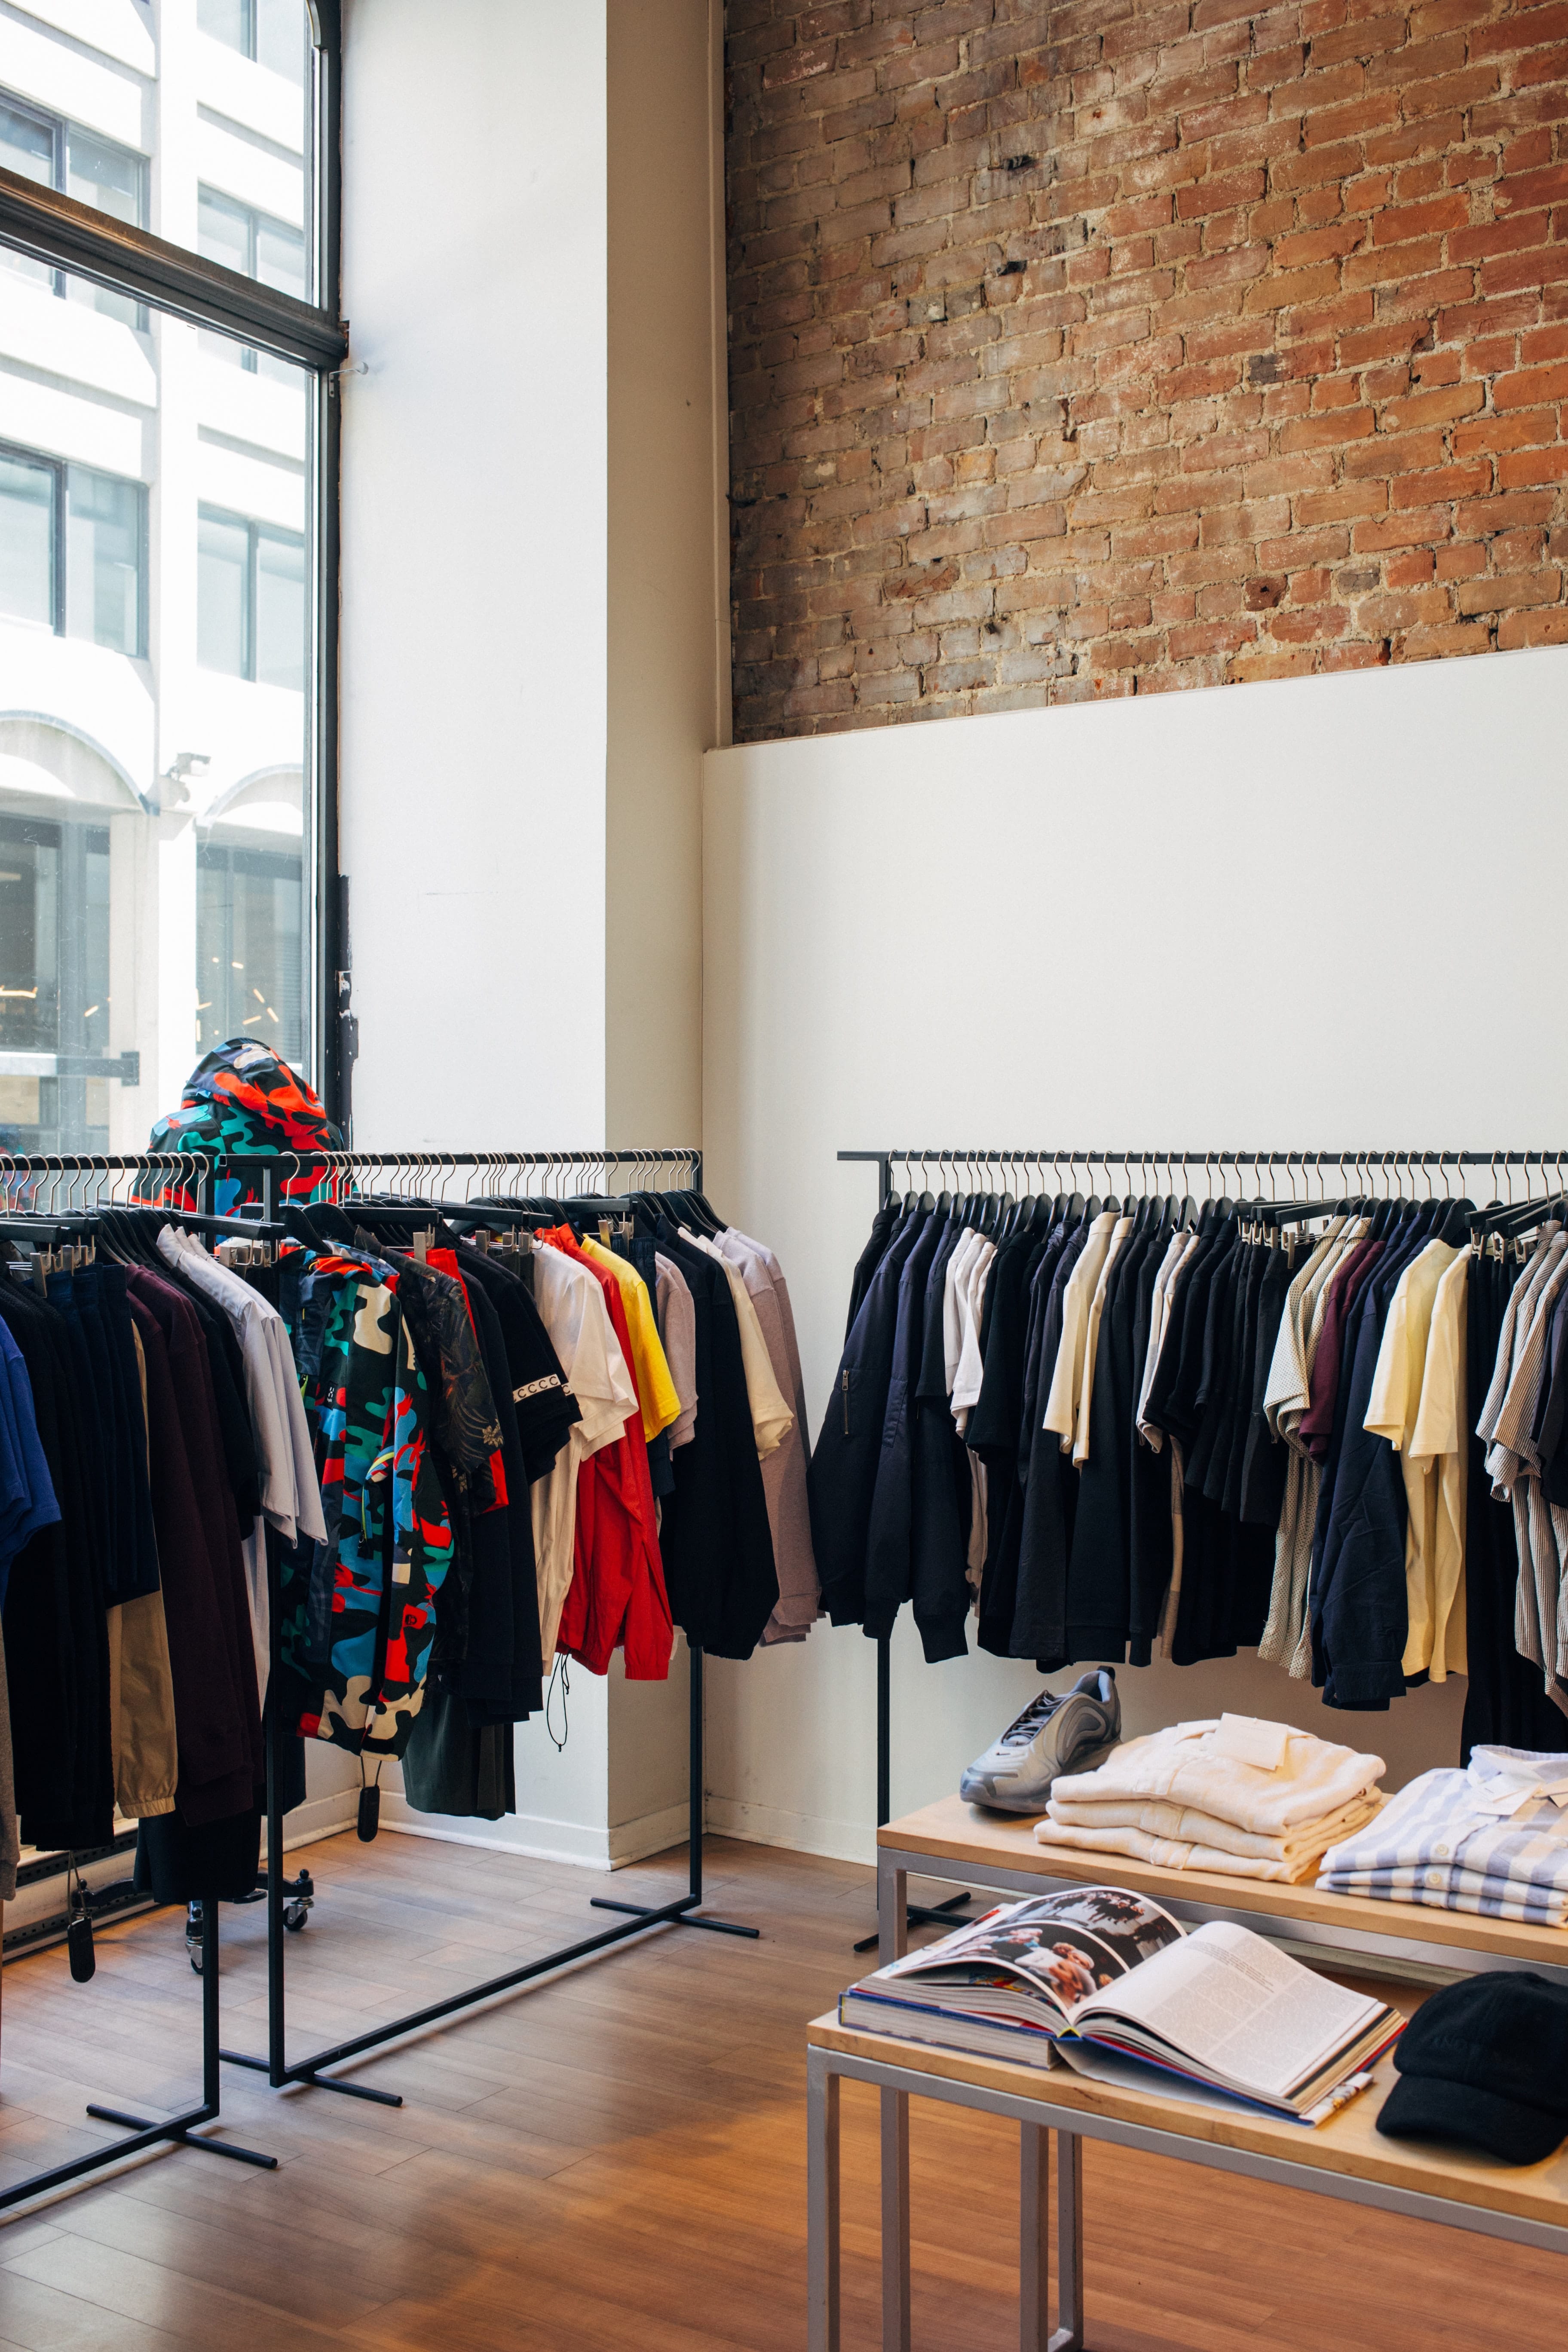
[1056, 1732]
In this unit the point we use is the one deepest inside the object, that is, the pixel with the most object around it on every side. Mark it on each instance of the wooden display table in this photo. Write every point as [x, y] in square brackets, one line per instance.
[955, 1840]
[1344, 2157]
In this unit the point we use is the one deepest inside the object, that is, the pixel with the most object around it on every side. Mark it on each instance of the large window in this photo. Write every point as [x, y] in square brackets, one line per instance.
[72, 551]
[167, 496]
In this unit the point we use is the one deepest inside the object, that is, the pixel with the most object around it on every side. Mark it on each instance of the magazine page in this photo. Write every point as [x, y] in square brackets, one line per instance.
[1240, 2007]
[1066, 1946]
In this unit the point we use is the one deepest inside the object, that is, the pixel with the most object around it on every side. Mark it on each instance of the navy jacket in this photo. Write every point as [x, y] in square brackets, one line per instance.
[842, 1475]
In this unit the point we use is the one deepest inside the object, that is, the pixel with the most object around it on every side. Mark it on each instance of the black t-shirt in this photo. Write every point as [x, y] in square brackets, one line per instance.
[545, 1405]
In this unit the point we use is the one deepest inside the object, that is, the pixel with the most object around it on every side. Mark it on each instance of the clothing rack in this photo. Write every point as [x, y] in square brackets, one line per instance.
[1367, 1170]
[180, 2130]
[342, 1174]
[73, 1184]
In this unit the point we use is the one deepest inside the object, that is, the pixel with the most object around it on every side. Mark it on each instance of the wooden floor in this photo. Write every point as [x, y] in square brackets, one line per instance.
[614, 2159]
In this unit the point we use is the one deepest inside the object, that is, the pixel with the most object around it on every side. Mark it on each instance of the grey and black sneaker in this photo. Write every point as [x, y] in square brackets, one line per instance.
[1058, 1732]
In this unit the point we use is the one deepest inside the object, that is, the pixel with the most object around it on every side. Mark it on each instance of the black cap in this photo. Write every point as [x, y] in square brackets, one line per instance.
[1486, 2062]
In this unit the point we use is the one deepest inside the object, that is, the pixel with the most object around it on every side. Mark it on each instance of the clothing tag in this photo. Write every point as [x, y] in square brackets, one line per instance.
[1252, 1741]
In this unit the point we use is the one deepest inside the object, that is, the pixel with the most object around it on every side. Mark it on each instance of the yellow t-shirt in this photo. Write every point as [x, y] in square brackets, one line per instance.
[661, 1405]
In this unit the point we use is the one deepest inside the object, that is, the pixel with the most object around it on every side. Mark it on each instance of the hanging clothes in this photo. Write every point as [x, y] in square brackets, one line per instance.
[1183, 1433]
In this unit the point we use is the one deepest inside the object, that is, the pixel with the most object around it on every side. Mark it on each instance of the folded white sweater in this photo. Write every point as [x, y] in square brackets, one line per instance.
[1180, 1766]
[1185, 1825]
[1298, 1858]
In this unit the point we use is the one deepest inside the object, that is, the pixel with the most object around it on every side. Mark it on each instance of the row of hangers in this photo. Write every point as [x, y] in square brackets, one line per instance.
[998, 1215]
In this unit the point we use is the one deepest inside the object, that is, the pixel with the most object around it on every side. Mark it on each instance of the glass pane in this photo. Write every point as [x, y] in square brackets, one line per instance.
[223, 94]
[223, 231]
[108, 176]
[26, 541]
[280, 611]
[29, 936]
[28, 144]
[153, 753]
[28, 147]
[279, 257]
[103, 560]
[249, 960]
[223, 595]
[227, 21]
[280, 38]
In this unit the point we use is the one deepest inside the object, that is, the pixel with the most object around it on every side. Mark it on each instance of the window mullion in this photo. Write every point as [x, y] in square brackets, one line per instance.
[58, 567]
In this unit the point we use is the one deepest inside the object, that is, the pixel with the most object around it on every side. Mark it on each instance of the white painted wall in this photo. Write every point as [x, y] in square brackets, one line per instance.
[531, 629]
[1309, 914]
[473, 523]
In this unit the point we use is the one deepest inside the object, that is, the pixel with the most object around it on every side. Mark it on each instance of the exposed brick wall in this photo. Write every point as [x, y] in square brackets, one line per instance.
[1127, 344]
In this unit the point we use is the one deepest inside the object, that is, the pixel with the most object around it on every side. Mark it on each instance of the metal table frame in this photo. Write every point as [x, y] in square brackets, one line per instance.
[895, 1865]
[1037, 2118]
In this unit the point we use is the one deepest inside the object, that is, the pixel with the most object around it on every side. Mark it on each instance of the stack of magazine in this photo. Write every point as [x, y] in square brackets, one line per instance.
[1110, 1983]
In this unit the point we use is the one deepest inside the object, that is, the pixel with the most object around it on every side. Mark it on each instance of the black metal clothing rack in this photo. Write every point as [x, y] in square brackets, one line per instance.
[402, 1170]
[182, 2130]
[90, 1180]
[681, 1912]
[1314, 1167]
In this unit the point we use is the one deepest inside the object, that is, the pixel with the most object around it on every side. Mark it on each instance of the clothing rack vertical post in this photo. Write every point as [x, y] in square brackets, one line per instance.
[678, 1913]
[920, 1914]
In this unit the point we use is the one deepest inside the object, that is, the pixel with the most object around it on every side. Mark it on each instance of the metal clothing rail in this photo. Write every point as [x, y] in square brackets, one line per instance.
[180, 2130]
[1371, 1171]
[402, 1172]
[36, 1182]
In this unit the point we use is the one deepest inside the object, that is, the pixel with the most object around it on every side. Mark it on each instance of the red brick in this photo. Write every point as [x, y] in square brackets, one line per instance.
[1293, 310]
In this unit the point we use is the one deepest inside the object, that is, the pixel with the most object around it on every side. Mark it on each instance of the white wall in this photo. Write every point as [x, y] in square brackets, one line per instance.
[532, 622]
[1317, 913]
[474, 521]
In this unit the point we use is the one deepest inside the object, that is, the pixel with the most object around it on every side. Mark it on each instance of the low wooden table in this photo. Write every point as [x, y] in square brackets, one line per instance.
[1344, 2157]
[968, 1847]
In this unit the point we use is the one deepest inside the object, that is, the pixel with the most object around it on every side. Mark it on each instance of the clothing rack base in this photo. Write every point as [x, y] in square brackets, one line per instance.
[179, 2131]
[686, 1914]
[311, 2071]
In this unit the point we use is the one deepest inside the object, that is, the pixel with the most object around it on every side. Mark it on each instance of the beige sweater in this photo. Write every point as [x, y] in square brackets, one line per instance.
[1179, 1766]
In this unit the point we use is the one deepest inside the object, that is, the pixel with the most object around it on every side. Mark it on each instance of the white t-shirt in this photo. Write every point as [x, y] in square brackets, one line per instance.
[572, 1307]
[771, 1416]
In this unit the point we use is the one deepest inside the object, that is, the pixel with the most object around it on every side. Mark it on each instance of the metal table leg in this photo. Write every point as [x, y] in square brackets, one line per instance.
[892, 1939]
[1069, 2336]
[822, 2204]
[1034, 2238]
[1035, 2331]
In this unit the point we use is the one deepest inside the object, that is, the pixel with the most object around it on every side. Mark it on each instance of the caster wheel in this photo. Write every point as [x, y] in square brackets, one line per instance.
[195, 1957]
[295, 1916]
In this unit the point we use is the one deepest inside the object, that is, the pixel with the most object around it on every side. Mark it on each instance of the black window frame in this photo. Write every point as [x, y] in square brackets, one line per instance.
[68, 235]
[59, 556]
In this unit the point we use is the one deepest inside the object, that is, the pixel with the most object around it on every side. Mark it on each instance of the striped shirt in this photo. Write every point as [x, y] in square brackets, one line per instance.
[1492, 1839]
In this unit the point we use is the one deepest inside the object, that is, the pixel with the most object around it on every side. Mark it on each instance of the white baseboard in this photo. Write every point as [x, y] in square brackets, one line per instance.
[803, 1833]
[317, 1817]
[542, 1840]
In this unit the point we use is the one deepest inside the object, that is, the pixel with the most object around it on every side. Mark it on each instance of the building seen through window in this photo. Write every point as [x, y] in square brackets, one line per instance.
[157, 601]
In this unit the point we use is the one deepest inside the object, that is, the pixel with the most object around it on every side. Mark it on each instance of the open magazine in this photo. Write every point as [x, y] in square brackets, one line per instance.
[1108, 1982]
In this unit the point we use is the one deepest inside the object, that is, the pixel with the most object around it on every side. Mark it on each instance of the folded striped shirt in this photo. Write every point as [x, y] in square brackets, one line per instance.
[1492, 1838]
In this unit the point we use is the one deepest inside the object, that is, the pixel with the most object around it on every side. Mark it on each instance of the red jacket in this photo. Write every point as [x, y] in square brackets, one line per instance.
[617, 1598]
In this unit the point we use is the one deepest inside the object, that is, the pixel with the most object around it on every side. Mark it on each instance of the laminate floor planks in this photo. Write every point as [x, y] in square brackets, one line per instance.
[614, 2156]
